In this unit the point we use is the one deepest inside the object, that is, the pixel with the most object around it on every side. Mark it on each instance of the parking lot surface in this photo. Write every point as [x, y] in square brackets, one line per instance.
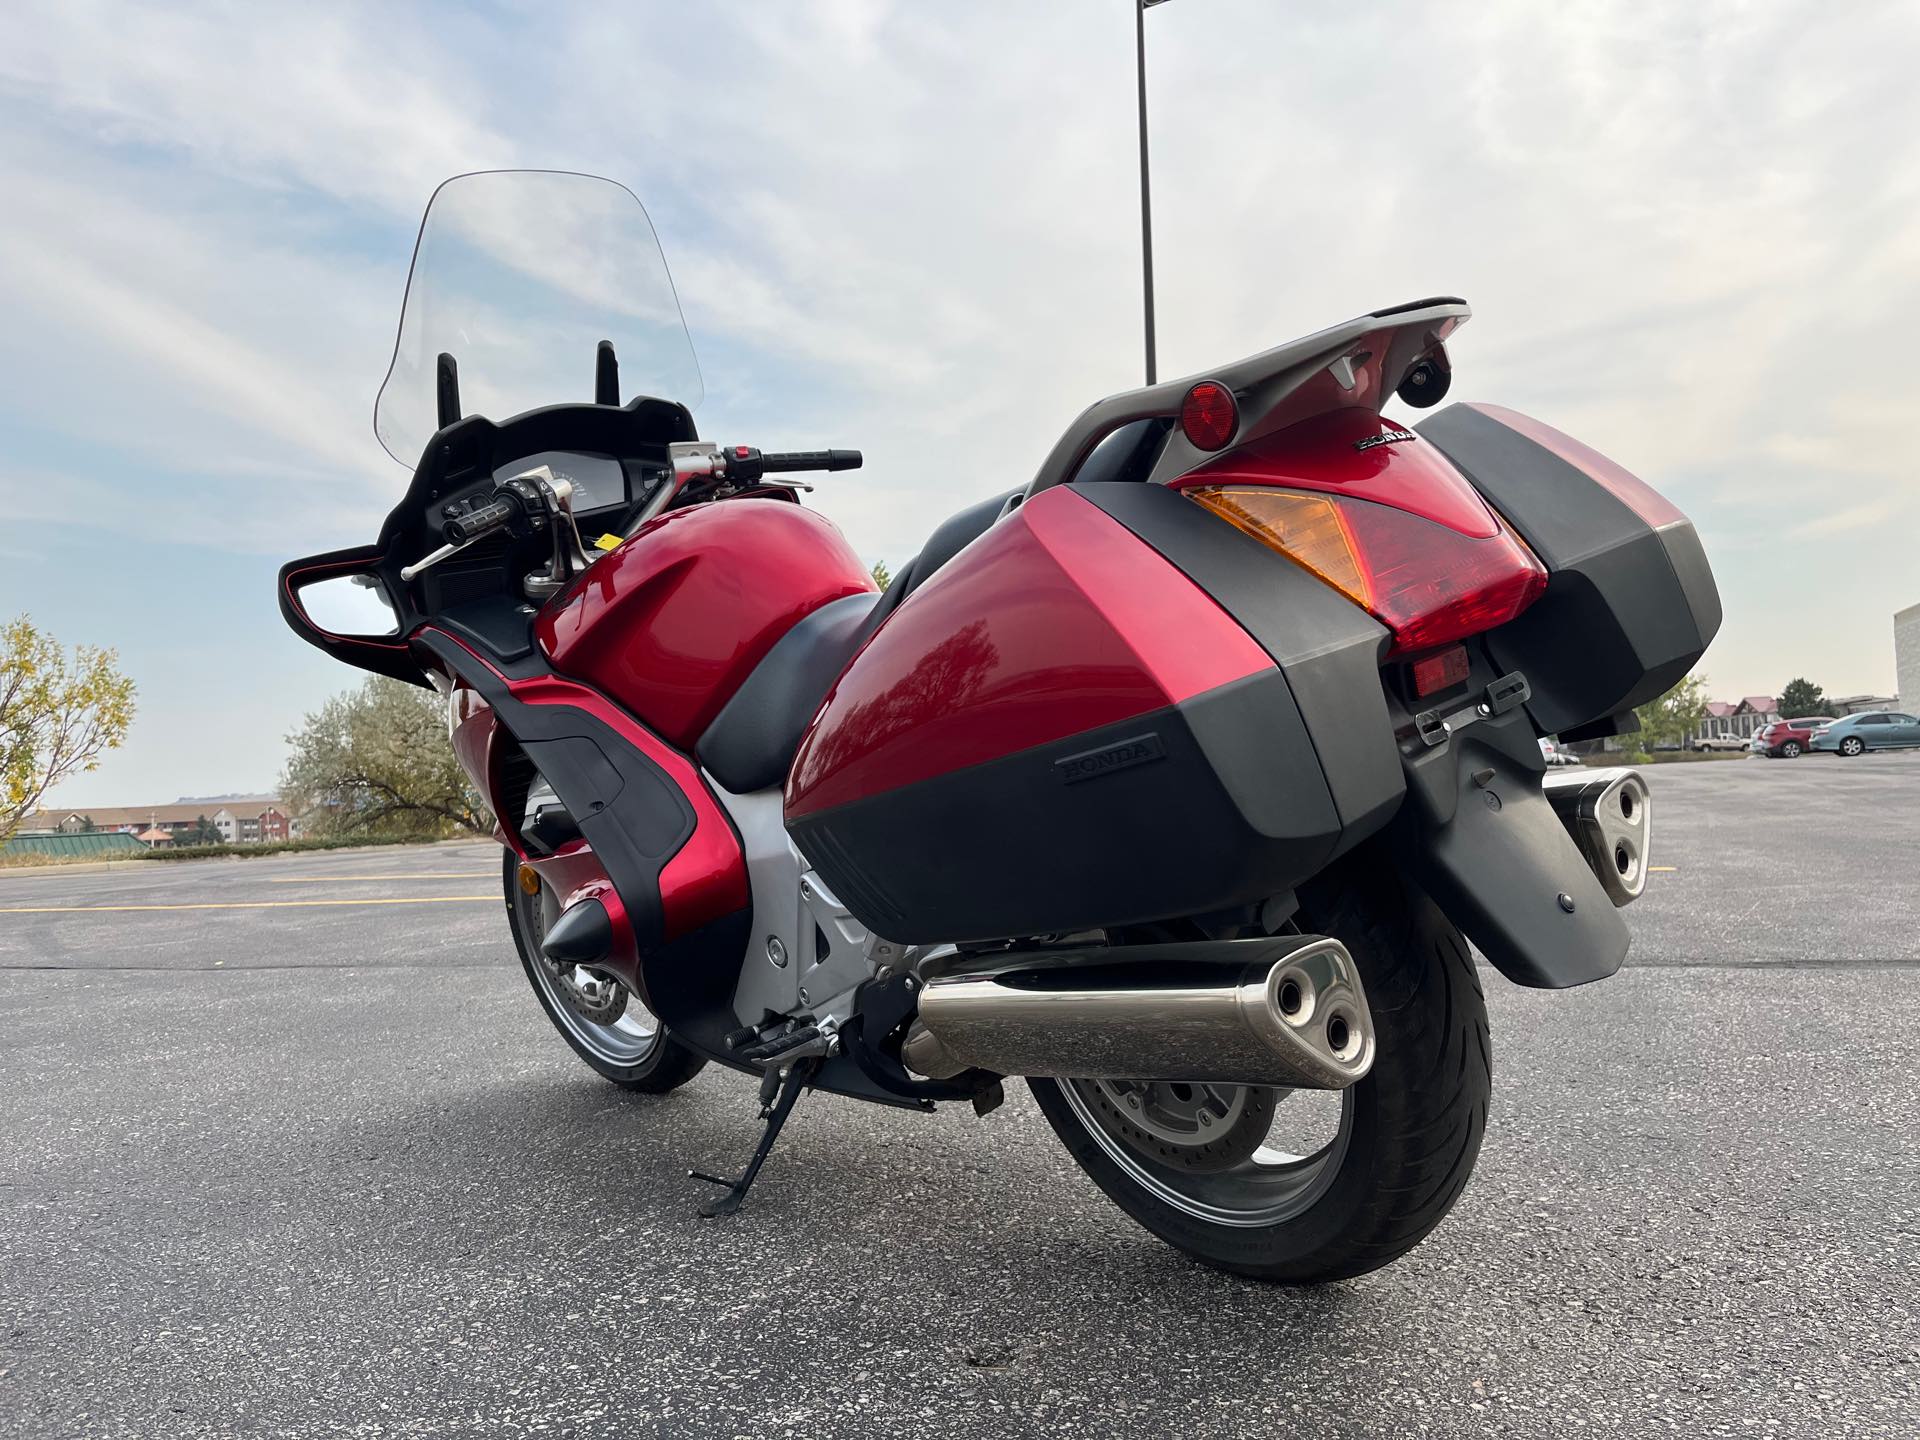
[309, 1161]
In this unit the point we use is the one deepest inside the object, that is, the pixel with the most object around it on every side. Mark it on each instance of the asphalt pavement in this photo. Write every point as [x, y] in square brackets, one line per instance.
[287, 1148]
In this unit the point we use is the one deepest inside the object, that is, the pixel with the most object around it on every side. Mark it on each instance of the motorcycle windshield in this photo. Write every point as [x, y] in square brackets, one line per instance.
[519, 275]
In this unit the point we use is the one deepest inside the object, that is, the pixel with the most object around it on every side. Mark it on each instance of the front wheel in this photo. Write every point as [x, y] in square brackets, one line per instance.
[600, 1018]
[1310, 1186]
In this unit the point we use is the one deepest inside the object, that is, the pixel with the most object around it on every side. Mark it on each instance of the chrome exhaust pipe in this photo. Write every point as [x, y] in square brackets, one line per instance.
[1609, 814]
[1286, 1011]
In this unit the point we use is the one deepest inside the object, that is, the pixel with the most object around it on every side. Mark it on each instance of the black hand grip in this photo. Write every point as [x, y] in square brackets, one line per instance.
[478, 521]
[811, 460]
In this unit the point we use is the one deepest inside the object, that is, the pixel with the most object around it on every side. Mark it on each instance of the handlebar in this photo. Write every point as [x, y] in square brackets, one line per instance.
[481, 520]
[784, 460]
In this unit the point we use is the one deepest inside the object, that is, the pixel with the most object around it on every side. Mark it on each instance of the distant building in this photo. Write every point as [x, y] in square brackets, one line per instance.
[1858, 704]
[241, 820]
[1906, 657]
[1744, 717]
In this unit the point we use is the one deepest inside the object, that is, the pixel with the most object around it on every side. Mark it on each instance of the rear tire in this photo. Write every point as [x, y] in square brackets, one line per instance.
[1410, 1131]
[1852, 746]
[1791, 750]
[661, 1065]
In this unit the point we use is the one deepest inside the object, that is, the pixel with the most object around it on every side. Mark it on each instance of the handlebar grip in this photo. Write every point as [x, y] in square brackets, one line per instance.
[812, 460]
[478, 521]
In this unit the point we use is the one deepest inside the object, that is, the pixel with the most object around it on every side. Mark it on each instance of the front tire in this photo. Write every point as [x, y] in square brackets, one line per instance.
[632, 1049]
[1407, 1136]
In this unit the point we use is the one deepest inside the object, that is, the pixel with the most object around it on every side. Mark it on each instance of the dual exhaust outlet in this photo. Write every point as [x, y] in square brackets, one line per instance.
[1288, 1011]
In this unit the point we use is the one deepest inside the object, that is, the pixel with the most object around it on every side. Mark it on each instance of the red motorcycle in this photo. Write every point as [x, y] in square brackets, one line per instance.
[1174, 780]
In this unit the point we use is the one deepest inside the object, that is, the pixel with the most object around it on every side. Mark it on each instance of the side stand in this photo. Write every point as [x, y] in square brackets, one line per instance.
[797, 1078]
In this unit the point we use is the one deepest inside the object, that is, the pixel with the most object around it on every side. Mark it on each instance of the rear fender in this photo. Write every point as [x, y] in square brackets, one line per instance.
[1479, 835]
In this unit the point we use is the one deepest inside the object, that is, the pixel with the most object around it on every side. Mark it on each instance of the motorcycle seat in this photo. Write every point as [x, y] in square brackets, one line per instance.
[751, 743]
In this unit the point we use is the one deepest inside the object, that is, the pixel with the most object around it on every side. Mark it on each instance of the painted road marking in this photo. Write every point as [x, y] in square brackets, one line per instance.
[327, 879]
[1653, 868]
[240, 905]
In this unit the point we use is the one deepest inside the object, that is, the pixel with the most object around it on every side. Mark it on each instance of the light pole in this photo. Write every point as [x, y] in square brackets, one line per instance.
[1140, 8]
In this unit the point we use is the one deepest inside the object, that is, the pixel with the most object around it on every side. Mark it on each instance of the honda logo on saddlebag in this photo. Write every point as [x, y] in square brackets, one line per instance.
[1091, 764]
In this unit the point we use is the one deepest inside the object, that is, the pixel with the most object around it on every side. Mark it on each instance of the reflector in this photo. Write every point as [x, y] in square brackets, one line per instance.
[1209, 416]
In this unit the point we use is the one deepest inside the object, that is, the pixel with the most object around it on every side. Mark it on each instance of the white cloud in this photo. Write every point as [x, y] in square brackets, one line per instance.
[1689, 232]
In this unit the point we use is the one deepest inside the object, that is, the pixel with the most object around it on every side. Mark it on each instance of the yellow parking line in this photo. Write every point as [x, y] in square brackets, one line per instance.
[239, 905]
[1652, 868]
[327, 879]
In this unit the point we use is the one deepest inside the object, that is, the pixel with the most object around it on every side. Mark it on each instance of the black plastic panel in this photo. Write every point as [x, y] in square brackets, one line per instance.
[629, 809]
[1628, 609]
[1194, 808]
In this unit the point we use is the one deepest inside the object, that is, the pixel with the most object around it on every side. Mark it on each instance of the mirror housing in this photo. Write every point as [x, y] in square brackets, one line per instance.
[353, 606]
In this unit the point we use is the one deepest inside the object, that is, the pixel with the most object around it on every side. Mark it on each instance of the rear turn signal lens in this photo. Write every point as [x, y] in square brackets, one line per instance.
[1441, 672]
[1209, 416]
[1426, 582]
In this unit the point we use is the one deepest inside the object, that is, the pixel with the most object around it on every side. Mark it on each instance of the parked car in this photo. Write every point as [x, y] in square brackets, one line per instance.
[1719, 742]
[1788, 739]
[1551, 752]
[1869, 730]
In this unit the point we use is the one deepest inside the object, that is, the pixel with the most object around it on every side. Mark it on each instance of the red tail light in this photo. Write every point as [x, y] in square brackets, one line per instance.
[1427, 583]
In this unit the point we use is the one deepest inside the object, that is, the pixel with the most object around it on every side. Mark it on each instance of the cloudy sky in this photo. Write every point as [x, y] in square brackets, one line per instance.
[1690, 233]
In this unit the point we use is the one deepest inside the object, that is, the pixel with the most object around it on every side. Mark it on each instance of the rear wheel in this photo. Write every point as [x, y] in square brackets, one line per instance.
[1852, 745]
[1791, 749]
[602, 1020]
[1310, 1186]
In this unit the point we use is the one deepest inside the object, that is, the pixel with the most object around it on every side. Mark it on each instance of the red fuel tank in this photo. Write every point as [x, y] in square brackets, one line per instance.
[669, 624]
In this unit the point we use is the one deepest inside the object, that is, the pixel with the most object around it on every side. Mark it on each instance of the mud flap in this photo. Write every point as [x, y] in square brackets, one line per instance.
[1484, 841]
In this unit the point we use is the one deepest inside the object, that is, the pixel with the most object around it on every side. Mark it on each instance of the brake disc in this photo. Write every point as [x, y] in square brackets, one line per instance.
[1190, 1125]
[593, 996]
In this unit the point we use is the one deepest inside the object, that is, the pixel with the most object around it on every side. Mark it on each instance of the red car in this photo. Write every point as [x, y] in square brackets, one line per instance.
[1787, 739]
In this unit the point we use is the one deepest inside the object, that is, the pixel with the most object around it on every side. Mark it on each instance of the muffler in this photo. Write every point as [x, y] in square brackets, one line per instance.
[1609, 814]
[1286, 1011]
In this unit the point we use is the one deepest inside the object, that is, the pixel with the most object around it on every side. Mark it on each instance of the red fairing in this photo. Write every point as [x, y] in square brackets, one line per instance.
[575, 874]
[673, 621]
[1344, 453]
[707, 877]
[1054, 622]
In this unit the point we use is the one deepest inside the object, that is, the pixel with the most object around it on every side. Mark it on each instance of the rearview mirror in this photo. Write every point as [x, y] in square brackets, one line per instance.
[350, 605]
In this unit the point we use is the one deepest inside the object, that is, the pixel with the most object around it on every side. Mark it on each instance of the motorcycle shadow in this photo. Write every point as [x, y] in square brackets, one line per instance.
[949, 1210]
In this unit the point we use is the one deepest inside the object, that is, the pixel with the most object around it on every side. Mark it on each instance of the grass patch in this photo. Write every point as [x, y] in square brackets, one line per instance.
[283, 847]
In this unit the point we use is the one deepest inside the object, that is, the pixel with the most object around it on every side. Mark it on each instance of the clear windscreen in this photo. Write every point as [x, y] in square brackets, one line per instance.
[519, 275]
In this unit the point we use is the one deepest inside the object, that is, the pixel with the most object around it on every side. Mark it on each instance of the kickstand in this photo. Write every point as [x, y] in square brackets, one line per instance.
[798, 1074]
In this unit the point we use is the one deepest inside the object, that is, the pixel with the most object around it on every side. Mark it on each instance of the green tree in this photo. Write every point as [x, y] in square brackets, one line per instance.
[882, 576]
[59, 713]
[202, 832]
[375, 761]
[1675, 715]
[1803, 697]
